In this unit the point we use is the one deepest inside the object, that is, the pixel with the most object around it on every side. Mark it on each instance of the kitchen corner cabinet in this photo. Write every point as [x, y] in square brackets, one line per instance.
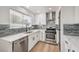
[33, 39]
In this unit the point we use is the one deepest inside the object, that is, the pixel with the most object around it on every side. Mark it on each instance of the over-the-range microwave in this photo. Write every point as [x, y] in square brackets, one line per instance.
[71, 29]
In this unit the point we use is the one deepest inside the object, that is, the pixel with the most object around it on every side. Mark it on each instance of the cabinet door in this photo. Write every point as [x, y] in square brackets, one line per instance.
[16, 19]
[37, 37]
[43, 19]
[42, 35]
[32, 40]
[40, 19]
[37, 21]
[30, 43]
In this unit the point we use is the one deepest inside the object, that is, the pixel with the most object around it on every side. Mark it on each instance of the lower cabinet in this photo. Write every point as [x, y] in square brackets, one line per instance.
[33, 39]
[42, 35]
[30, 42]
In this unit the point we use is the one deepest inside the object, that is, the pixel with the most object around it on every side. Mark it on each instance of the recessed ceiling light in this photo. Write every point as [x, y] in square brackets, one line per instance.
[27, 6]
[50, 8]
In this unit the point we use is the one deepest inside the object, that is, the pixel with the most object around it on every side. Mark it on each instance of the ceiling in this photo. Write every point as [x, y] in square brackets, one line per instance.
[42, 9]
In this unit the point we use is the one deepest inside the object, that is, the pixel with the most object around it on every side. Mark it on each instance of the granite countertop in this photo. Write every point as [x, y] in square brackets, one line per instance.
[12, 38]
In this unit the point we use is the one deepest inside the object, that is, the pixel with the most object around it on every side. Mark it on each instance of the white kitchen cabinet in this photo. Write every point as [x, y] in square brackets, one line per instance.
[42, 35]
[40, 19]
[16, 19]
[32, 40]
[19, 20]
[37, 36]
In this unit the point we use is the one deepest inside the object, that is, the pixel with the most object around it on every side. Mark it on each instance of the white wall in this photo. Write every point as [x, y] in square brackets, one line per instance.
[4, 15]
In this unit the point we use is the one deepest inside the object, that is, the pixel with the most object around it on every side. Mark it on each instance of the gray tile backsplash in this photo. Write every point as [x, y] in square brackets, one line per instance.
[71, 29]
[38, 27]
[3, 27]
[4, 30]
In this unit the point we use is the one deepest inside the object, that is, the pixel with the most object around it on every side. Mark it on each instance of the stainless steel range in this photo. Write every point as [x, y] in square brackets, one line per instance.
[50, 33]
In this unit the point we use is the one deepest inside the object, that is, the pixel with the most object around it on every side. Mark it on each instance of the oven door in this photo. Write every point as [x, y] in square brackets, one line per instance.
[50, 35]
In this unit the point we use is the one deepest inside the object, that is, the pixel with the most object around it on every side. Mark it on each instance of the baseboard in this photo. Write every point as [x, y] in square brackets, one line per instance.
[48, 43]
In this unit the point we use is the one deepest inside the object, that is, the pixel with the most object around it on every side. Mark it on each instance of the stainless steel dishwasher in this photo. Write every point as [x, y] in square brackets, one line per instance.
[20, 45]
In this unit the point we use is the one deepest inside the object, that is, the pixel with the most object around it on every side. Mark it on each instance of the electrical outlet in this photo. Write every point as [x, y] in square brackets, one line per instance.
[73, 50]
[69, 50]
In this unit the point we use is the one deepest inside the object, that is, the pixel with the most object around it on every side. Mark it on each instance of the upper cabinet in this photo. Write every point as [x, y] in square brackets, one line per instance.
[19, 20]
[40, 19]
[16, 17]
